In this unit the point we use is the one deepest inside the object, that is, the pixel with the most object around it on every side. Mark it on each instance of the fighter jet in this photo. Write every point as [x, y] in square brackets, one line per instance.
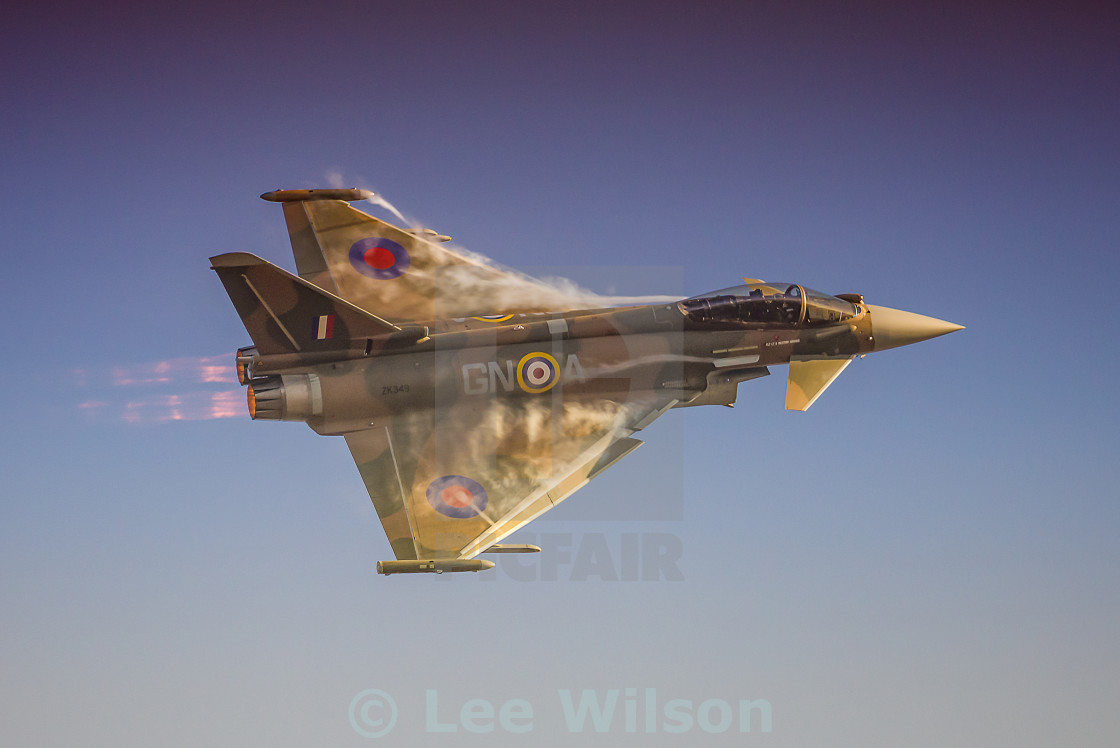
[469, 414]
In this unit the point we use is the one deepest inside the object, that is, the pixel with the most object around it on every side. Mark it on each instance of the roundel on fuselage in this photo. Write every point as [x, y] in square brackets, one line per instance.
[537, 372]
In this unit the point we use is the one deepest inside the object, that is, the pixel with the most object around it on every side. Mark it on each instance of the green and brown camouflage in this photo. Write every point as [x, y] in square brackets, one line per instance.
[474, 399]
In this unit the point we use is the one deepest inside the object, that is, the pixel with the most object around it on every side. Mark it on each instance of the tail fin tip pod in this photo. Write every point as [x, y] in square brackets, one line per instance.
[285, 314]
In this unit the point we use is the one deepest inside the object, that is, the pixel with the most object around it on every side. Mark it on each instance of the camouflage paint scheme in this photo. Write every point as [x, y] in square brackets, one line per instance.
[463, 427]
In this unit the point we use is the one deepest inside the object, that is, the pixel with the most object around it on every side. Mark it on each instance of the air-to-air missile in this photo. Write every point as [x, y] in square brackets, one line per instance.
[473, 399]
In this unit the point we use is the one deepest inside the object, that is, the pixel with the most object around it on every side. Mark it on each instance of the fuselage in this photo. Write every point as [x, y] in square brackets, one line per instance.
[695, 351]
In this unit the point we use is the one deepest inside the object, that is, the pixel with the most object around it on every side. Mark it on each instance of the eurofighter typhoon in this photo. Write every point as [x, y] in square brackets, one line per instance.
[468, 417]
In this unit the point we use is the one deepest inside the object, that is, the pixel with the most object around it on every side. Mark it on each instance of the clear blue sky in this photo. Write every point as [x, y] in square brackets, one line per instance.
[928, 557]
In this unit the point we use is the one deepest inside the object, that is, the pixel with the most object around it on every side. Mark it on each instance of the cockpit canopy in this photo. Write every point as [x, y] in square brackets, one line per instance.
[768, 304]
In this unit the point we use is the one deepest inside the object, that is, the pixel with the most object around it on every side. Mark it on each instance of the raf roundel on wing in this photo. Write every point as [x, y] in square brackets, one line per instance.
[379, 258]
[457, 496]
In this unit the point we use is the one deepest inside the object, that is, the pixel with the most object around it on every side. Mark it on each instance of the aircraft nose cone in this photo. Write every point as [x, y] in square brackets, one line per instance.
[892, 328]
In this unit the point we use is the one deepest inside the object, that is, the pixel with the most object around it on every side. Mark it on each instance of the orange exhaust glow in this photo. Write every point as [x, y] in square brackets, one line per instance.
[251, 397]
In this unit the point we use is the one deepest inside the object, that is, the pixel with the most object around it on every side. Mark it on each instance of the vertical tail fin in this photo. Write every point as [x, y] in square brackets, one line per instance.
[285, 314]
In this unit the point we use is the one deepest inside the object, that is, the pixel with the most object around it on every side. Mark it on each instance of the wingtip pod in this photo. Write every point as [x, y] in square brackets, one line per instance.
[351, 194]
[432, 567]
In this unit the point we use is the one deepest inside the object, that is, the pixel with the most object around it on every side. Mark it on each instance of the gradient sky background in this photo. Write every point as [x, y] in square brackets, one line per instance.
[928, 557]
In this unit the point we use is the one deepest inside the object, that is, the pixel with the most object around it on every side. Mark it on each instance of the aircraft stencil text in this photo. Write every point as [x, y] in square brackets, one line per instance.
[493, 377]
